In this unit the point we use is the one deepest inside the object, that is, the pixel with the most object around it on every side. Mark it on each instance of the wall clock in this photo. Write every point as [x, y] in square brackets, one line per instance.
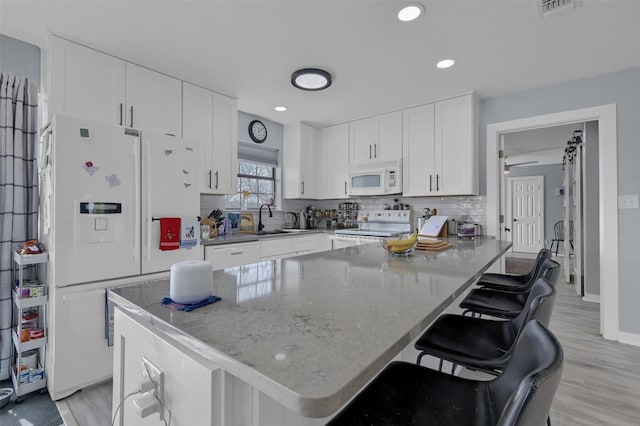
[257, 131]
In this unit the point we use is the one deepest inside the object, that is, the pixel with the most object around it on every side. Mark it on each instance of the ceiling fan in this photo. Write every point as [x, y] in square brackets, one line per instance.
[507, 167]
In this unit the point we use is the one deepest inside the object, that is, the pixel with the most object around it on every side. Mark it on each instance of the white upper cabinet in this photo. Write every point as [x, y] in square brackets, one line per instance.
[225, 145]
[333, 162]
[418, 147]
[89, 84]
[212, 120]
[300, 158]
[376, 138]
[85, 83]
[154, 101]
[440, 148]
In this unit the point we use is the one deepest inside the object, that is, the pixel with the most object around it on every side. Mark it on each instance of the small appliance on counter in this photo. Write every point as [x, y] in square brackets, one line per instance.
[466, 230]
[190, 281]
[307, 220]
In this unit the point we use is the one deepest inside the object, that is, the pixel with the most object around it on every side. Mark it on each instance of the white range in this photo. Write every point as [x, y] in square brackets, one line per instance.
[379, 224]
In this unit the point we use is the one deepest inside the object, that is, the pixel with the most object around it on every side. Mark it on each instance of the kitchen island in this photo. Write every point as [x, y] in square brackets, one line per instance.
[292, 340]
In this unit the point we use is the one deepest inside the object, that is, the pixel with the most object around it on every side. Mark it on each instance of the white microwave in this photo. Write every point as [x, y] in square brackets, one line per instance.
[382, 178]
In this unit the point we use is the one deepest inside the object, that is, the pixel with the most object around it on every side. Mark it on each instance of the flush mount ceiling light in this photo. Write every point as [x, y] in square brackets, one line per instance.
[311, 79]
[445, 63]
[409, 13]
[280, 108]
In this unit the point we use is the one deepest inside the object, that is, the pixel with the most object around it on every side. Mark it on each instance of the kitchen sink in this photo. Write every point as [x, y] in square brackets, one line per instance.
[274, 232]
[281, 231]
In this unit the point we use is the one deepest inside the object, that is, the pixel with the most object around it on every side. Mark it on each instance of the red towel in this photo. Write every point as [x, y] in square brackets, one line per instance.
[170, 233]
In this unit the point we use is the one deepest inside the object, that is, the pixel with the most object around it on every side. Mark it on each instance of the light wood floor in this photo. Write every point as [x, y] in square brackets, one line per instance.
[600, 382]
[601, 379]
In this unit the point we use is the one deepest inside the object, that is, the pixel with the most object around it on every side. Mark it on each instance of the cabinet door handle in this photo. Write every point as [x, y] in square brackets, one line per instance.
[302, 192]
[121, 113]
[430, 183]
[345, 187]
[131, 109]
[370, 152]
[209, 179]
[234, 253]
[375, 150]
[217, 179]
[437, 182]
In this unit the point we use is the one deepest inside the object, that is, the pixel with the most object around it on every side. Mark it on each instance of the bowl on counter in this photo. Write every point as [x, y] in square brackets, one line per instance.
[384, 243]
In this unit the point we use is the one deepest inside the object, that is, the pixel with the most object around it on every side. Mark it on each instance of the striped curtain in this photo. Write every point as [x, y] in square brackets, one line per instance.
[18, 188]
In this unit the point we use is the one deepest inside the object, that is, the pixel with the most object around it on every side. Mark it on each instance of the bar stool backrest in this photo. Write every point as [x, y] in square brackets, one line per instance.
[523, 393]
[543, 255]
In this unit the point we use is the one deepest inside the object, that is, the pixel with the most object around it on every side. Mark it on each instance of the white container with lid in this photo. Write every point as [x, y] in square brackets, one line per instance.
[191, 281]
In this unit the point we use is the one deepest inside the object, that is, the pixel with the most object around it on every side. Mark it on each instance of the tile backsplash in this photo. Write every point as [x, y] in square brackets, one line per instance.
[471, 208]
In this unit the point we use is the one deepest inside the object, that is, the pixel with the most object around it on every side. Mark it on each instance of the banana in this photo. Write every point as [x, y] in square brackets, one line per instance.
[397, 246]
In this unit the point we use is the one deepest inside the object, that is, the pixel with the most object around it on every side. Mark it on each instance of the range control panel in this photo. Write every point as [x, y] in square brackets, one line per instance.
[387, 216]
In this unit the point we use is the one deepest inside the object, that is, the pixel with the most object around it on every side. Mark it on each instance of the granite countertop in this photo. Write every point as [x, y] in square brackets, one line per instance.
[245, 238]
[311, 331]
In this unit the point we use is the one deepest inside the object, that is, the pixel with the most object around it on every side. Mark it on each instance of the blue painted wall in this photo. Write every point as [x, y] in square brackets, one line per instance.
[19, 58]
[623, 89]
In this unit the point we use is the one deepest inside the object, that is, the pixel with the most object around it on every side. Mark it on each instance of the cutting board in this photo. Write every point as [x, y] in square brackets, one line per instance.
[431, 244]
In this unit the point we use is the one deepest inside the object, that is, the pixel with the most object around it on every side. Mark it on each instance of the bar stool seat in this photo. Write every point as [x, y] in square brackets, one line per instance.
[521, 282]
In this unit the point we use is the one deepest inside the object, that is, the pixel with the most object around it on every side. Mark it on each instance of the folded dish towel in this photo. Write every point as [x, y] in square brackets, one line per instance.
[189, 236]
[187, 307]
[169, 233]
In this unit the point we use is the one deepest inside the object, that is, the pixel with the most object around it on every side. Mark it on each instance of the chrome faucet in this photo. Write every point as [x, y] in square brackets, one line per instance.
[260, 225]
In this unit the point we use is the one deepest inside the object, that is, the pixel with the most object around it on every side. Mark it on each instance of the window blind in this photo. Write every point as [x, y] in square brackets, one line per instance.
[257, 154]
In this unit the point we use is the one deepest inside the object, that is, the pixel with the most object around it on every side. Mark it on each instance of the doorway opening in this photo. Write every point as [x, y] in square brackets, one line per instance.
[608, 192]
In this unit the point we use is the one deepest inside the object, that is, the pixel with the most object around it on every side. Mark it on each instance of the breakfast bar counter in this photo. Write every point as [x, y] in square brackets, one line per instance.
[292, 340]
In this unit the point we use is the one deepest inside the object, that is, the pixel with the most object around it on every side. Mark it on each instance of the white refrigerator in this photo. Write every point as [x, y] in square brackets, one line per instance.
[104, 190]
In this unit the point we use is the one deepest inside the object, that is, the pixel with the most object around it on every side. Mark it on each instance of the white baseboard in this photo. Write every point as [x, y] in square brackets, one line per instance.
[629, 338]
[593, 298]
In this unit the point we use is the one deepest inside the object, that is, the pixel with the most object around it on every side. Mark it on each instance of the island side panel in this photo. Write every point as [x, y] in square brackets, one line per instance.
[195, 392]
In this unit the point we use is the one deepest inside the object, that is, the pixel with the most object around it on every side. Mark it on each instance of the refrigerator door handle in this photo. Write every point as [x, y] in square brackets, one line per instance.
[136, 167]
[148, 219]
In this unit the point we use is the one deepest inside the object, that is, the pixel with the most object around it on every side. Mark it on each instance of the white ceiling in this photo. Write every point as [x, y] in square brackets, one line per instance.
[554, 138]
[248, 49]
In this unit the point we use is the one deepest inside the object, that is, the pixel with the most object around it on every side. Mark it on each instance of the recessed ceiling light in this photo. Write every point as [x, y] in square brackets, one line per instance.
[311, 79]
[409, 13]
[280, 108]
[445, 63]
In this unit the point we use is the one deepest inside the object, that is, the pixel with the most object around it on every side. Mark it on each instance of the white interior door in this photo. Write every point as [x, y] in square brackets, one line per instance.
[527, 206]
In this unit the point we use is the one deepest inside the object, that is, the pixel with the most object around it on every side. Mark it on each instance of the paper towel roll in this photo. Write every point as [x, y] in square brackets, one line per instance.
[191, 281]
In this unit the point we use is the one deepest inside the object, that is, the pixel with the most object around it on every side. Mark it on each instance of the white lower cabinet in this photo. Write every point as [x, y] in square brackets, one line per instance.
[230, 255]
[338, 243]
[281, 248]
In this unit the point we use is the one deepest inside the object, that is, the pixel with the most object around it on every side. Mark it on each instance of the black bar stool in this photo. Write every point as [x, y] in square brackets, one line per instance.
[484, 344]
[515, 282]
[505, 304]
[408, 394]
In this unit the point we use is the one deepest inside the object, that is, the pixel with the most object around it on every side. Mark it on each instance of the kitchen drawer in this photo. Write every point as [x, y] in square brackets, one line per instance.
[286, 247]
[229, 255]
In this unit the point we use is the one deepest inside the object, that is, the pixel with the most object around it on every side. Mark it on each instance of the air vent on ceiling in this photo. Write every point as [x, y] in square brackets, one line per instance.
[547, 8]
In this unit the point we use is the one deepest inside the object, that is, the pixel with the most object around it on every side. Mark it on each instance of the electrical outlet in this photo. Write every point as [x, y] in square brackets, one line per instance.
[150, 371]
[627, 202]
